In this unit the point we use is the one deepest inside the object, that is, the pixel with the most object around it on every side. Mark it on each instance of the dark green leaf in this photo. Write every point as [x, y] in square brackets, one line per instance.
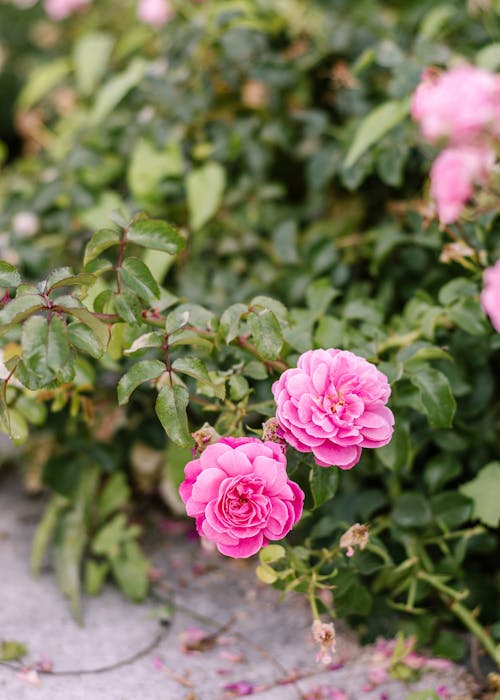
[438, 403]
[171, 410]
[100, 241]
[323, 482]
[155, 234]
[266, 334]
[136, 276]
[141, 372]
[411, 510]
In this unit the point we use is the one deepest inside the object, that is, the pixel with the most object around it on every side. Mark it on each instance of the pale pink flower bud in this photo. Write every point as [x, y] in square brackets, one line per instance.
[155, 12]
[25, 224]
[490, 296]
[333, 404]
[453, 176]
[60, 9]
[458, 104]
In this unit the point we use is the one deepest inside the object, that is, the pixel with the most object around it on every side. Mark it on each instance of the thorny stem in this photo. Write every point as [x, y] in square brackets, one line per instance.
[168, 364]
[119, 261]
[463, 613]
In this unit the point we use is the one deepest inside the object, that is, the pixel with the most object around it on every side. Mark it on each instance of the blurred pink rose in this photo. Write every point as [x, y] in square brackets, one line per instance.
[453, 176]
[155, 12]
[60, 9]
[490, 296]
[457, 104]
[332, 405]
[239, 492]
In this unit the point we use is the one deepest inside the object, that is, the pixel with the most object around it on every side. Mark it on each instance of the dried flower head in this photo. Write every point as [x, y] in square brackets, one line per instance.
[324, 633]
[356, 536]
[204, 437]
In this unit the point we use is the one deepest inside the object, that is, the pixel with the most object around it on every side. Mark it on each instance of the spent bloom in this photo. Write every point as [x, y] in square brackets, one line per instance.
[324, 634]
[356, 536]
[155, 12]
[458, 104]
[60, 9]
[333, 404]
[239, 492]
[454, 174]
[490, 296]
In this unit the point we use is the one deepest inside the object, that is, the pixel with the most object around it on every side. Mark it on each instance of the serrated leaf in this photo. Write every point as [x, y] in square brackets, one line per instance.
[438, 403]
[136, 276]
[100, 241]
[193, 367]
[99, 329]
[82, 338]
[484, 491]
[148, 340]
[17, 310]
[127, 306]
[83, 279]
[141, 372]
[58, 348]
[266, 333]
[205, 187]
[9, 276]
[155, 234]
[323, 482]
[171, 406]
[375, 125]
[230, 322]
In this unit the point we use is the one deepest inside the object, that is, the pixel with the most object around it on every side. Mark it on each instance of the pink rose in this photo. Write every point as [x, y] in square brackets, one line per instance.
[332, 405]
[453, 176]
[457, 104]
[60, 9]
[239, 492]
[155, 12]
[490, 296]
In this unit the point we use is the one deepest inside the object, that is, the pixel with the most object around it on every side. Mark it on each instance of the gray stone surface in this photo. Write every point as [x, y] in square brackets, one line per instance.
[264, 642]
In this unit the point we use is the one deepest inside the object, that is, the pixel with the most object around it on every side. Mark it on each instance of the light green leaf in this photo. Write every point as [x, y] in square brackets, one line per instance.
[484, 491]
[489, 57]
[42, 80]
[266, 334]
[99, 329]
[149, 166]
[171, 408]
[130, 570]
[100, 241]
[155, 234]
[113, 496]
[45, 531]
[95, 576]
[205, 187]
[136, 276]
[438, 403]
[374, 126]
[9, 276]
[128, 307]
[140, 372]
[193, 367]
[230, 322]
[90, 56]
[435, 20]
[82, 338]
[113, 92]
[148, 340]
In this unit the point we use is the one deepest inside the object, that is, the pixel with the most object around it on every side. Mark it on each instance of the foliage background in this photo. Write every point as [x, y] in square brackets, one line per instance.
[276, 137]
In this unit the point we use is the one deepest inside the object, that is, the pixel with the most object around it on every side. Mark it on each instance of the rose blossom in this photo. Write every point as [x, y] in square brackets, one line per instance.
[332, 405]
[60, 9]
[490, 296]
[453, 176]
[155, 12]
[239, 492]
[457, 104]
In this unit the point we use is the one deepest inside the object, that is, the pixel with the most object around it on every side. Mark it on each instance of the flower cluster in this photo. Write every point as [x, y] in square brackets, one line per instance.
[460, 107]
[239, 492]
[333, 404]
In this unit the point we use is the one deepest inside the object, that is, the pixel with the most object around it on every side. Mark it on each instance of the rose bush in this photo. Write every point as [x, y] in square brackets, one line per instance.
[278, 142]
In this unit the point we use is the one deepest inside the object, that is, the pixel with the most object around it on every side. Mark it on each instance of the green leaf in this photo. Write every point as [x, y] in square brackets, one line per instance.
[141, 372]
[147, 340]
[194, 367]
[11, 650]
[489, 57]
[91, 54]
[42, 79]
[114, 495]
[83, 279]
[45, 531]
[62, 474]
[440, 470]
[98, 328]
[100, 241]
[69, 545]
[435, 20]
[18, 309]
[9, 276]
[113, 92]
[411, 510]
[155, 234]
[451, 508]
[136, 276]
[397, 453]
[130, 570]
[82, 338]
[150, 165]
[438, 403]
[323, 482]
[229, 326]
[205, 187]
[95, 576]
[468, 315]
[272, 553]
[128, 307]
[59, 355]
[375, 125]
[319, 294]
[266, 333]
[484, 491]
[110, 536]
[171, 408]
